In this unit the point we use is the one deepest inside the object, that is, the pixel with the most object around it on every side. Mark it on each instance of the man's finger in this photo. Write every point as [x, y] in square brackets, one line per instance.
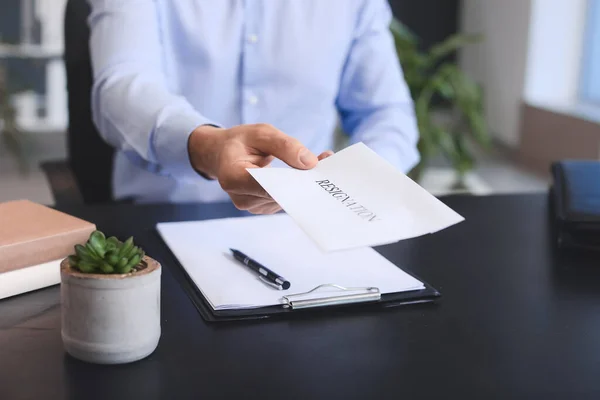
[237, 180]
[269, 140]
[325, 154]
[269, 208]
[261, 161]
[247, 203]
[242, 183]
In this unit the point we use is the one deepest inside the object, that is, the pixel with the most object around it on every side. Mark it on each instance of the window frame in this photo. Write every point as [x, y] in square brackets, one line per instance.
[589, 83]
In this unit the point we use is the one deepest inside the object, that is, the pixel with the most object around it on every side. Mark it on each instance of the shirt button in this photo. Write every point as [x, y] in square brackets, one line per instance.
[252, 38]
[253, 100]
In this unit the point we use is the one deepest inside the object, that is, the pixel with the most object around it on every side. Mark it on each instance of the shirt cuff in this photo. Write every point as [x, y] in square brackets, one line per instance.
[171, 144]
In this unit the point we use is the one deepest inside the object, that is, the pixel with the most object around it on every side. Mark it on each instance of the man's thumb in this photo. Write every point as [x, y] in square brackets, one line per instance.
[307, 158]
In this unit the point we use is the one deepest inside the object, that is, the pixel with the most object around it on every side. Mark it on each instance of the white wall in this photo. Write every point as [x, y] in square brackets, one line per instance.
[499, 61]
[555, 52]
[531, 52]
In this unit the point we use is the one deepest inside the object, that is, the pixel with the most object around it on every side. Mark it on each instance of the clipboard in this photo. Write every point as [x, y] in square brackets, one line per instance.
[365, 298]
[346, 281]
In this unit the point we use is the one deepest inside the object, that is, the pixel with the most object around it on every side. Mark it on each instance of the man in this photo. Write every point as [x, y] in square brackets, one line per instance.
[193, 92]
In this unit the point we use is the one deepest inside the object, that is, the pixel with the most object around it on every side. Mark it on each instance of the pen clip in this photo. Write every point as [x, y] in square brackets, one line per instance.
[269, 283]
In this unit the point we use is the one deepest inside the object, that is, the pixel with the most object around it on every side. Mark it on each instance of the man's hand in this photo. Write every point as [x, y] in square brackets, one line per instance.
[224, 154]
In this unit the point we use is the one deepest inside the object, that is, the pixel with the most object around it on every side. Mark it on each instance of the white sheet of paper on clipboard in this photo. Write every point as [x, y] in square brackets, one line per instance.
[202, 249]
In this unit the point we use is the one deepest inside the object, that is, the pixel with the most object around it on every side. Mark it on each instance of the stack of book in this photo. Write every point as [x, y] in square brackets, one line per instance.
[34, 239]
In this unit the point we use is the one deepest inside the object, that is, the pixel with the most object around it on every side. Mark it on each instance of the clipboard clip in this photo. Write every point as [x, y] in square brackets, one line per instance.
[344, 296]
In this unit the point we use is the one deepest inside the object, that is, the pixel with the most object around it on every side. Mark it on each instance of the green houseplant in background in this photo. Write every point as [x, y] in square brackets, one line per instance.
[439, 87]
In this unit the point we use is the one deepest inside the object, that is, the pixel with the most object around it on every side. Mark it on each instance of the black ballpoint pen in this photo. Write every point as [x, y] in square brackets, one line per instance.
[264, 273]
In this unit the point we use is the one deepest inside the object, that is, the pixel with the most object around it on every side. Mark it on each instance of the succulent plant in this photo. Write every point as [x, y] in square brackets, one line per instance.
[100, 255]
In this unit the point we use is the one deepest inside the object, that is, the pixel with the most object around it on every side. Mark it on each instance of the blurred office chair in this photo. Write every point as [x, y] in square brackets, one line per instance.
[62, 182]
[89, 157]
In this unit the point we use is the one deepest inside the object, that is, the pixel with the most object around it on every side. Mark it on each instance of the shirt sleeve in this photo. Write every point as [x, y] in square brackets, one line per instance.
[132, 106]
[374, 100]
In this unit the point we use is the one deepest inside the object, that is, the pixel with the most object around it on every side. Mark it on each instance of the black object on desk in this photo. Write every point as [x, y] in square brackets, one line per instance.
[575, 195]
[264, 273]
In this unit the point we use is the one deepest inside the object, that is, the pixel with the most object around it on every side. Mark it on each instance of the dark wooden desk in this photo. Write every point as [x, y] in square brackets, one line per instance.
[516, 320]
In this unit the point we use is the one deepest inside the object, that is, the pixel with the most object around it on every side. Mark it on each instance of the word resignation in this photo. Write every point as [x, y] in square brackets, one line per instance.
[347, 201]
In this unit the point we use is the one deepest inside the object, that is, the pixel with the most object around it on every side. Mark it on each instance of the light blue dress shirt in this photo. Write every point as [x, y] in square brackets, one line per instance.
[163, 67]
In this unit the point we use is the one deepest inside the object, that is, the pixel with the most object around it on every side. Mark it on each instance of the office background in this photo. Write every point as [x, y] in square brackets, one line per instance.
[538, 64]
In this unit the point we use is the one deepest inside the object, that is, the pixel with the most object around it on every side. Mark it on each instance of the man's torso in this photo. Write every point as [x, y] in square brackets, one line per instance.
[244, 62]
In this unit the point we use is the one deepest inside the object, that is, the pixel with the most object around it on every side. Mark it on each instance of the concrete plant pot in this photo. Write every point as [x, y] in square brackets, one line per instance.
[111, 318]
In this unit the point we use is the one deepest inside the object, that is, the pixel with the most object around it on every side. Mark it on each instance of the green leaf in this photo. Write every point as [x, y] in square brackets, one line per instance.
[443, 86]
[106, 268]
[469, 102]
[447, 146]
[98, 237]
[465, 160]
[133, 262]
[126, 247]
[450, 45]
[402, 32]
[86, 266]
[112, 243]
[122, 264]
[134, 250]
[73, 261]
[98, 242]
[112, 257]
[479, 129]
[92, 252]
[84, 253]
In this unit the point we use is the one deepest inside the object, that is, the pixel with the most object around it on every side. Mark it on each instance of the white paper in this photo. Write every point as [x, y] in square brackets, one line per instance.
[202, 248]
[354, 199]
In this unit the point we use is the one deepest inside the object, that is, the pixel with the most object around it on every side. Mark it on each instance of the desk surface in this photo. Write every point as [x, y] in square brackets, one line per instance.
[516, 320]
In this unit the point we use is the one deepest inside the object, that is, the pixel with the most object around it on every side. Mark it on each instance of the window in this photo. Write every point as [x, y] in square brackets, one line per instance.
[590, 79]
